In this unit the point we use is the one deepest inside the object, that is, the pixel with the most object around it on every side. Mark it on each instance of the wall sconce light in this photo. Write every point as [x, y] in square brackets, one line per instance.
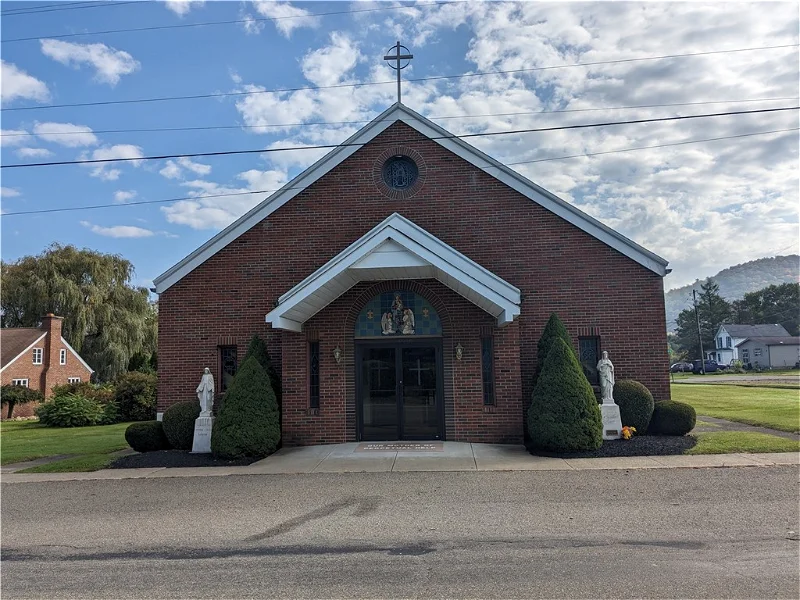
[459, 352]
[337, 355]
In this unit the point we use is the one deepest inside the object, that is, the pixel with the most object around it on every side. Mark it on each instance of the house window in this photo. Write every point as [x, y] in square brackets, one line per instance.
[728, 342]
[37, 356]
[756, 351]
[62, 357]
[719, 342]
[313, 375]
[745, 356]
[20, 382]
[589, 351]
[228, 366]
[487, 368]
[73, 379]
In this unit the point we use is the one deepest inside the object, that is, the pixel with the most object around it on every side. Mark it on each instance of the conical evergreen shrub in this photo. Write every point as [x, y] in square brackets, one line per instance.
[564, 415]
[552, 331]
[248, 424]
[258, 348]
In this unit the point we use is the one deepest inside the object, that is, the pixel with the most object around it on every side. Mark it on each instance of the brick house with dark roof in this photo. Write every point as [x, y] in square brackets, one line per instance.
[39, 358]
[402, 283]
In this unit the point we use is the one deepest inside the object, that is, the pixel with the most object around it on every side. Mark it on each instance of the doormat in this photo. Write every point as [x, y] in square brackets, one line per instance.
[400, 447]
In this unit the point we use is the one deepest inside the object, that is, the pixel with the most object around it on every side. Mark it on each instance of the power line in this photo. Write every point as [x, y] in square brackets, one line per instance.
[231, 22]
[394, 81]
[37, 10]
[164, 201]
[312, 123]
[25, 9]
[441, 137]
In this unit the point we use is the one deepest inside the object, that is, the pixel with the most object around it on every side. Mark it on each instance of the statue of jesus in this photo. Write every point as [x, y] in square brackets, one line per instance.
[205, 393]
[606, 370]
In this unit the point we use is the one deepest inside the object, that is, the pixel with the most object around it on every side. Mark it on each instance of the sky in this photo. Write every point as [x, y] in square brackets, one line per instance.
[702, 206]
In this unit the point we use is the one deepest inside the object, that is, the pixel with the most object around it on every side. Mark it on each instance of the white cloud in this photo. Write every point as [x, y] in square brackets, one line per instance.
[182, 7]
[6, 192]
[14, 137]
[329, 64]
[175, 168]
[119, 231]
[18, 84]
[109, 63]
[103, 170]
[66, 134]
[287, 17]
[33, 152]
[123, 196]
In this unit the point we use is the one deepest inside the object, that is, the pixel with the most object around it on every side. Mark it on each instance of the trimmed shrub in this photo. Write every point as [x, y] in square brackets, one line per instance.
[672, 418]
[248, 424]
[17, 394]
[178, 422]
[552, 331]
[103, 395]
[635, 404]
[135, 396]
[564, 415]
[258, 348]
[71, 410]
[146, 436]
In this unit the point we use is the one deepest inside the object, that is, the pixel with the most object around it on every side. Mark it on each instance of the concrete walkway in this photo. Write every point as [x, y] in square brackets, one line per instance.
[708, 424]
[455, 456]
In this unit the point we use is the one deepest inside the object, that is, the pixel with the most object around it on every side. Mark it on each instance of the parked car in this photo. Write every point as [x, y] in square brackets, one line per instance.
[681, 367]
[711, 366]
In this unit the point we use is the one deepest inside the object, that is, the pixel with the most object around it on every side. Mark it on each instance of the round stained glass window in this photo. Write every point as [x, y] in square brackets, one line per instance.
[400, 172]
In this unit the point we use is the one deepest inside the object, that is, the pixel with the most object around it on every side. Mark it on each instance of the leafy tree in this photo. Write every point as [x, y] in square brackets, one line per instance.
[258, 349]
[564, 415]
[773, 304]
[17, 394]
[248, 423]
[713, 311]
[106, 319]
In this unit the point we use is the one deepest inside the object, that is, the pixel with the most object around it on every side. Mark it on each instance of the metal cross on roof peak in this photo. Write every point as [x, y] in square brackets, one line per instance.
[396, 58]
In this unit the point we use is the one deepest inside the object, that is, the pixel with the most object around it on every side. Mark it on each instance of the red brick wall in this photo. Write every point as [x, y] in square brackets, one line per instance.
[557, 267]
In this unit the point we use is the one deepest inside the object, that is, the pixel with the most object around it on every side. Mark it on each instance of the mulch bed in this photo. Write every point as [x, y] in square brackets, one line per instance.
[646, 445]
[175, 458]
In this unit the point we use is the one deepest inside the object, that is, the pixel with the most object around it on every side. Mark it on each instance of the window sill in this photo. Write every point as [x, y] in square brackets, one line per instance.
[312, 412]
[489, 408]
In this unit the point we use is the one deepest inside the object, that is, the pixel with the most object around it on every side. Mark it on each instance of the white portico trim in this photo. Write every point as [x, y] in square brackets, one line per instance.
[395, 249]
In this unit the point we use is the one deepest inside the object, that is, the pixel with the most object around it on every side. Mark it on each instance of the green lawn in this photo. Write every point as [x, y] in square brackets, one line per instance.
[727, 442]
[27, 440]
[768, 407]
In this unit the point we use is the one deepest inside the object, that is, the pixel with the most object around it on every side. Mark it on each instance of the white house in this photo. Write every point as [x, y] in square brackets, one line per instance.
[730, 335]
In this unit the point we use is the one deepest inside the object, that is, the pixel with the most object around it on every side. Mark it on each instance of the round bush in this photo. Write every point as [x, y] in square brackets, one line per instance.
[178, 424]
[146, 436]
[672, 418]
[635, 404]
[70, 411]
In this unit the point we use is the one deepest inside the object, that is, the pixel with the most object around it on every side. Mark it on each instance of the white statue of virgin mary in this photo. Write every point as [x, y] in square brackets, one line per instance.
[205, 393]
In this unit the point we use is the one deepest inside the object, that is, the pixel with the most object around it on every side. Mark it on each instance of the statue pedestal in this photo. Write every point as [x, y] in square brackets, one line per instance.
[612, 423]
[202, 435]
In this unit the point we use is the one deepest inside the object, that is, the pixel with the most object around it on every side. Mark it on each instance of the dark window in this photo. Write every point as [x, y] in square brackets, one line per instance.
[313, 374]
[727, 341]
[229, 364]
[400, 172]
[589, 352]
[487, 366]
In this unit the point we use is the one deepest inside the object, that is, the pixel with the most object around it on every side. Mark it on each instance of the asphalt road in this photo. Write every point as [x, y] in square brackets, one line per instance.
[728, 532]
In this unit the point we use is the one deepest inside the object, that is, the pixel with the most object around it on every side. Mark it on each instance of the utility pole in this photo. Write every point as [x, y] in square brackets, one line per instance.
[699, 334]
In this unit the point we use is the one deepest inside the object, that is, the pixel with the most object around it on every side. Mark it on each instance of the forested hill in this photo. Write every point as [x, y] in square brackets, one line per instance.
[735, 282]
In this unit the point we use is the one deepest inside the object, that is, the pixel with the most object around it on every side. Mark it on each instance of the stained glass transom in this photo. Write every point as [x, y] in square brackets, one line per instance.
[400, 172]
[398, 313]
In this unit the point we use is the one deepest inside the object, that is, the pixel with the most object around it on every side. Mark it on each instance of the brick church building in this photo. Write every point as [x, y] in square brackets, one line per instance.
[402, 283]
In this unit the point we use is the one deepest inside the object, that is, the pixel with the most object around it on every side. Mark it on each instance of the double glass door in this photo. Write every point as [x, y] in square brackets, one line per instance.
[399, 391]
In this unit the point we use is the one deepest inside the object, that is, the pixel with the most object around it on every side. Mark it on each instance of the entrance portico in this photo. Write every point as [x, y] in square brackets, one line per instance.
[402, 331]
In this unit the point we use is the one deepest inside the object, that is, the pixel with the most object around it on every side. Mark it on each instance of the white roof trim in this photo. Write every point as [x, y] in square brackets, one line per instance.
[29, 348]
[399, 112]
[492, 293]
[78, 356]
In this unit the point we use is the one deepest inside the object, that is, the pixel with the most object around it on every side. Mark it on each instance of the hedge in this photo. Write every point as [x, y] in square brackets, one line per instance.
[70, 411]
[178, 422]
[672, 418]
[135, 396]
[146, 436]
[635, 404]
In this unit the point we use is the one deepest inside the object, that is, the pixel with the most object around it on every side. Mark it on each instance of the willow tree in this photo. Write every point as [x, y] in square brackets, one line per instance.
[106, 318]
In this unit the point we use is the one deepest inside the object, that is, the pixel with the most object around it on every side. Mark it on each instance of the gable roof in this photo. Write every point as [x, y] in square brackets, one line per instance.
[399, 112]
[788, 340]
[397, 248]
[15, 341]
[765, 330]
